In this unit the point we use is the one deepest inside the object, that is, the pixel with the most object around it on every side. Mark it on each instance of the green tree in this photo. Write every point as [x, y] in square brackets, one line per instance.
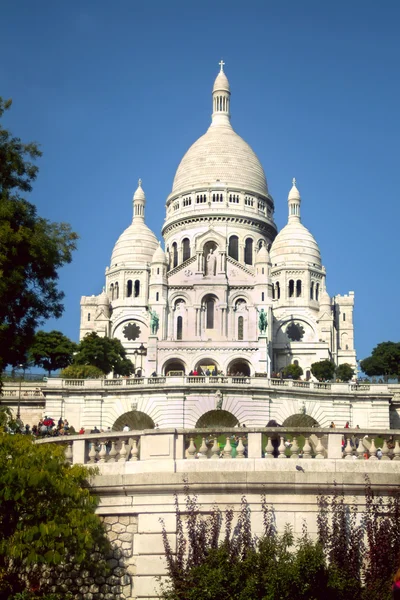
[81, 372]
[384, 361]
[47, 514]
[344, 372]
[52, 350]
[293, 371]
[107, 354]
[323, 370]
[32, 249]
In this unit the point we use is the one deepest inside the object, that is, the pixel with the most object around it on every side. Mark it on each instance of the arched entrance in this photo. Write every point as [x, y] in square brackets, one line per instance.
[300, 420]
[217, 418]
[207, 365]
[174, 367]
[135, 420]
[239, 367]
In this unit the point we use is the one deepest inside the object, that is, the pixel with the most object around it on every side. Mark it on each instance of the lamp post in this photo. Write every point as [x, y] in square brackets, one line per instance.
[19, 393]
[142, 351]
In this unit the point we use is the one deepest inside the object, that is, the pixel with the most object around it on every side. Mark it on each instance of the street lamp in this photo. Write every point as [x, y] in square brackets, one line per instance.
[19, 393]
[141, 351]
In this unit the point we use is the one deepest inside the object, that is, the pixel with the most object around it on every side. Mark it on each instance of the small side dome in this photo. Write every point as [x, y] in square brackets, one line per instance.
[294, 243]
[159, 256]
[221, 83]
[325, 299]
[262, 255]
[103, 299]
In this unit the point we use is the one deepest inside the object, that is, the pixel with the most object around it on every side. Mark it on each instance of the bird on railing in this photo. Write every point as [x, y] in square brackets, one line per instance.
[299, 468]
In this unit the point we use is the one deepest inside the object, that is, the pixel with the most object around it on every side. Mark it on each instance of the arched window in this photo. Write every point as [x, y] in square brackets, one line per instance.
[273, 292]
[344, 316]
[88, 316]
[240, 328]
[112, 291]
[179, 328]
[129, 288]
[157, 296]
[248, 252]
[185, 249]
[278, 290]
[262, 296]
[298, 288]
[233, 247]
[312, 291]
[158, 270]
[210, 302]
[317, 292]
[137, 288]
[116, 290]
[174, 254]
[291, 288]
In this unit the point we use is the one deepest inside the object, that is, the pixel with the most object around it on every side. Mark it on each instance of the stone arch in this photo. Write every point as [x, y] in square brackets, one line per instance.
[217, 418]
[135, 419]
[239, 365]
[202, 364]
[174, 364]
[300, 420]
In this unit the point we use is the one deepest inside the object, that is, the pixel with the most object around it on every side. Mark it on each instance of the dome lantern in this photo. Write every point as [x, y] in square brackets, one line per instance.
[139, 202]
[221, 99]
[294, 201]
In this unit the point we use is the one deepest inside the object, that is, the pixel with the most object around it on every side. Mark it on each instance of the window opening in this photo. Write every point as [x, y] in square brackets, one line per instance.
[179, 328]
[248, 252]
[137, 288]
[233, 248]
[291, 288]
[240, 328]
[129, 289]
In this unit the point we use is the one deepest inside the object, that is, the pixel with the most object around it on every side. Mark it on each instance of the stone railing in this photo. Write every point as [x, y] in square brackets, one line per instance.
[230, 444]
[224, 380]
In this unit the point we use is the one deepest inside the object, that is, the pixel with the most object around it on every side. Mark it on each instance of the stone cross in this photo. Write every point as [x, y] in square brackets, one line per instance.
[221, 64]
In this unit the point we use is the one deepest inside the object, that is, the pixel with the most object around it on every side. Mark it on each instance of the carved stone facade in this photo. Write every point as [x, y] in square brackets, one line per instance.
[223, 264]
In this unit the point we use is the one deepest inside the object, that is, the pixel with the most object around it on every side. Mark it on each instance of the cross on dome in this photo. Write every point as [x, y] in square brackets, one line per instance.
[221, 64]
[294, 181]
[140, 183]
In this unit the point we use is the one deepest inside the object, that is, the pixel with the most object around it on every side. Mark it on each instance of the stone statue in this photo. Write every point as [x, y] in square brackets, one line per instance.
[211, 262]
[262, 321]
[154, 321]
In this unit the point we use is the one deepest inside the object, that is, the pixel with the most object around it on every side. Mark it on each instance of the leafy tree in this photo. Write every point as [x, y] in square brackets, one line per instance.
[384, 361]
[344, 372]
[293, 371]
[323, 370]
[32, 249]
[107, 354]
[47, 514]
[82, 372]
[52, 350]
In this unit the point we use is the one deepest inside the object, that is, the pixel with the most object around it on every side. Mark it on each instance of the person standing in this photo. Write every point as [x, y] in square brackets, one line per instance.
[396, 586]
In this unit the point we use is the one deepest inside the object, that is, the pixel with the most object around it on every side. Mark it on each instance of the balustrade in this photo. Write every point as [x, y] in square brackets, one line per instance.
[231, 443]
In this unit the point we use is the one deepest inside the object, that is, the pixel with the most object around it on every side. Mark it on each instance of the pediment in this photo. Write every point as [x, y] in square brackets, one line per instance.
[211, 235]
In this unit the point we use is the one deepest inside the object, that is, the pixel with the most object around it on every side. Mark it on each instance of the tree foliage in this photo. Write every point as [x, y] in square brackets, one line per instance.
[384, 361]
[323, 370]
[47, 514]
[52, 350]
[32, 249]
[107, 354]
[218, 558]
[345, 372]
[81, 372]
[293, 371]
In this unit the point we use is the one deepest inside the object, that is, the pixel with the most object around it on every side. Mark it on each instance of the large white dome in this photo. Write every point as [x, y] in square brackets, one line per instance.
[220, 156]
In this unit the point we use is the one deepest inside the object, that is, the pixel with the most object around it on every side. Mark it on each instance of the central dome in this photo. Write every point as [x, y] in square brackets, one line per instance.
[220, 157]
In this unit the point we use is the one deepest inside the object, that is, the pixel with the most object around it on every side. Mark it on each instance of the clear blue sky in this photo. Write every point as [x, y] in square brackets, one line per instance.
[114, 91]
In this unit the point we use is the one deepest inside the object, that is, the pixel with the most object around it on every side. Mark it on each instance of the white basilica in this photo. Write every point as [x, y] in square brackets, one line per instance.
[229, 294]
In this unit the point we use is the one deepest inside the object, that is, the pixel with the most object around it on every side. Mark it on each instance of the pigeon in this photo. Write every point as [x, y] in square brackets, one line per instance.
[299, 468]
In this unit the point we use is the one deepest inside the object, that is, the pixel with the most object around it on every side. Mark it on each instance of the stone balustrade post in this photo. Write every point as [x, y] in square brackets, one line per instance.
[254, 445]
[79, 452]
[334, 445]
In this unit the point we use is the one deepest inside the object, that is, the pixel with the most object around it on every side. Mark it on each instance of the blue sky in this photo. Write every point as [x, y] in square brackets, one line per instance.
[114, 91]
